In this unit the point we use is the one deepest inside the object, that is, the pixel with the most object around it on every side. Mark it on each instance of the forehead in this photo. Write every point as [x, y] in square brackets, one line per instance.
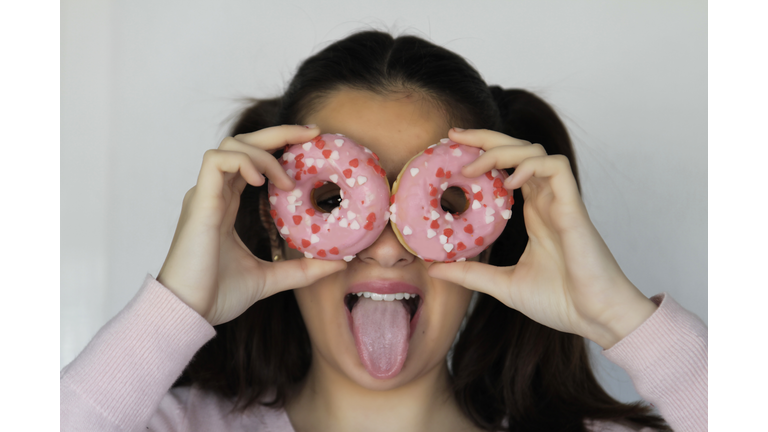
[395, 126]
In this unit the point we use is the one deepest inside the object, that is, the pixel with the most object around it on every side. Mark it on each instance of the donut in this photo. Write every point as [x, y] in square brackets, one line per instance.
[354, 203]
[417, 216]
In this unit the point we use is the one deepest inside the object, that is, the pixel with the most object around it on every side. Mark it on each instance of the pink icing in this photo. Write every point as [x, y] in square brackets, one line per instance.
[349, 228]
[430, 231]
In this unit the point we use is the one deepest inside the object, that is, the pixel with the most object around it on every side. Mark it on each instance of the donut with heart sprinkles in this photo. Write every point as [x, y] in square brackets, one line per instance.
[340, 203]
[477, 208]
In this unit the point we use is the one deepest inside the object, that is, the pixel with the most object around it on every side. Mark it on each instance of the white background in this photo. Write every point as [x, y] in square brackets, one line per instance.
[147, 87]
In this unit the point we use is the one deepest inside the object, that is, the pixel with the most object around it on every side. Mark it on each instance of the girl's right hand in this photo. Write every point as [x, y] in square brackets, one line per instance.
[208, 266]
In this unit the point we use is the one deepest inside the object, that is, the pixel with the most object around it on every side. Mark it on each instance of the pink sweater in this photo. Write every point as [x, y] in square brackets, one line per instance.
[121, 380]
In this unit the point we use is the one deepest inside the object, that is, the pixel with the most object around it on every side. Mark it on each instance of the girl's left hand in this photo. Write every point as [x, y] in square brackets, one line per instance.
[566, 279]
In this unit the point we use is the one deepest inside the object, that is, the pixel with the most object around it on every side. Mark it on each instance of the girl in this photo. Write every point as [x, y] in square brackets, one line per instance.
[239, 332]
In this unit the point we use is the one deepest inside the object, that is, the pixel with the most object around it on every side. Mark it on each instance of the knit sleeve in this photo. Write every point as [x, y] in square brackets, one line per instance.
[666, 358]
[117, 382]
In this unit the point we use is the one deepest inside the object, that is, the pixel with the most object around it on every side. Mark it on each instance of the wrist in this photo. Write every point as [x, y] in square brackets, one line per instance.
[624, 318]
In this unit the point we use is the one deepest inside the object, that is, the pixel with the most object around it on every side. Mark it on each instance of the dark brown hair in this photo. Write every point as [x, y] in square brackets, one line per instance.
[508, 372]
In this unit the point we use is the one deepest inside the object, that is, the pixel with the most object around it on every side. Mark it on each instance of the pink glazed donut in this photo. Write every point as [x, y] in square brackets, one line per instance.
[433, 234]
[361, 215]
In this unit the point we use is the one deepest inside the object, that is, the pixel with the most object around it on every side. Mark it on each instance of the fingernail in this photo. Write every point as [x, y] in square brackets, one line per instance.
[311, 126]
[459, 129]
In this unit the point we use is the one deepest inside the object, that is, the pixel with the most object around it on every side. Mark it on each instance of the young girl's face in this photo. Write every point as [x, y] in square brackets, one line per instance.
[396, 127]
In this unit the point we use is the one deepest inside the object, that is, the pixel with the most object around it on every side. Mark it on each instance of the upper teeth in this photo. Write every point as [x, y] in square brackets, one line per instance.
[386, 297]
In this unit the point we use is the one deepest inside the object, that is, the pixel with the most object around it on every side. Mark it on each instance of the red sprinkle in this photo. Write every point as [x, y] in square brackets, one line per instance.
[374, 155]
[327, 154]
[371, 217]
[273, 213]
[429, 151]
[299, 164]
[468, 229]
[503, 192]
[440, 172]
[368, 226]
[479, 196]
[300, 156]
[447, 232]
[297, 219]
[320, 144]
[334, 250]
[392, 199]
[310, 211]
[479, 241]
[319, 184]
[451, 254]
[305, 242]
[321, 253]
[354, 163]
[434, 225]
[298, 175]
[497, 183]
[433, 202]
[447, 174]
[371, 162]
[347, 173]
[290, 243]
[315, 228]
[460, 246]
[454, 146]
[432, 190]
[312, 170]
[382, 172]
[283, 161]
[489, 175]
[280, 222]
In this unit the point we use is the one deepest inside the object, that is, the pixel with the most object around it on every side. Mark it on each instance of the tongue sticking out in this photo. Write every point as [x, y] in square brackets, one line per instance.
[382, 330]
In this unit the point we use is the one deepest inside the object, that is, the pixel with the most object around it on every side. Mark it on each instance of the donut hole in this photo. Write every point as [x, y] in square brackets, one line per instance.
[454, 200]
[326, 197]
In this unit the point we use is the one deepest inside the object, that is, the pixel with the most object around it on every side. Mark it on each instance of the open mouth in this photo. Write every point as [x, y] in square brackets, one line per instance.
[411, 302]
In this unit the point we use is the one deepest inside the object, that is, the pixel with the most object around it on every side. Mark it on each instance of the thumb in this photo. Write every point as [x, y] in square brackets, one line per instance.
[298, 273]
[476, 276]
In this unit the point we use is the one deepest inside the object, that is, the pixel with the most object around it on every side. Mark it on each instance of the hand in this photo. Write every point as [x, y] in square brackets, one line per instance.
[566, 279]
[208, 266]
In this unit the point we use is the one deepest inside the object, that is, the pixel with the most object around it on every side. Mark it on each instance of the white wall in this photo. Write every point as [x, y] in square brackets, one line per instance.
[147, 87]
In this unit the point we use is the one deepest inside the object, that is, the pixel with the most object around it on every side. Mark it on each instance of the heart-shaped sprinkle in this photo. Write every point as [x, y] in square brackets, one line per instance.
[355, 225]
[351, 215]
[349, 258]
[308, 255]
[351, 182]
[476, 205]
[506, 214]
[448, 247]
[444, 186]
[456, 152]
[431, 233]
[414, 171]
[343, 223]
[361, 180]
[314, 239]
[291, 199]
[407, 230]
[476, 188]
[334, 250]
[489, 211]
[272, 200]
[443, 239]
[488, 219]
[345, 203]
[499, 202]
[338, 142]
[320, 163]
[306, 146]
[334, 178]
[284, 230]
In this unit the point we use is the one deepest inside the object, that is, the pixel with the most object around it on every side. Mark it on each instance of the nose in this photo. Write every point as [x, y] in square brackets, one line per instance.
[386, 251]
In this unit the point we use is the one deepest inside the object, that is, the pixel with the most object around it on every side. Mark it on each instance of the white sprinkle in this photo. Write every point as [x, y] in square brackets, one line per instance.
[334, 178]
[392, 218]
[449, 217]
[307, 254]
[443, 239]
[481, 152]
[431, 233]
[290, 172]
[367, 150]
[292, 208]
[414, 171]
[307, 146]
[361, 180]
[355, 225]
[338, 134]
[386, 215]
[494, 172]
[489, 211]
[335, 155]
[341, 194]
[435, 215]
[314, 239]
[291, 199]
[476, 205]
[309, 162]
[284, 230]
[351, 215]
[456, 152]
[343, 223]
[349, 258]
[461, 259]
[448, 247]
[325, 216]
[407, 230]
[338, 142]
[506, 214]
[351, 182]
[289, 156]
[476, 188]
[335, 212]
[331, 218]
[345, 203]
[320, 163]
[296, 192]
[272, 200]
[393, 208]
[444, 186]
[488, 219]
[499, 202]
[432, 145]
[444, 140]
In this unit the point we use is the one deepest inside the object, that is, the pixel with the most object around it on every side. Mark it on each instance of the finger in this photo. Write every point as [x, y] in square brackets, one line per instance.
[555, 167]
[276, 137]
[502, 157]
[298, 273]
[217, 163]
[484, 138]
[263, 161]
[473, 275]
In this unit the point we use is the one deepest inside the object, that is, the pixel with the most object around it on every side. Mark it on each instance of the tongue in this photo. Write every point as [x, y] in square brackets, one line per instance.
[382, 330]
